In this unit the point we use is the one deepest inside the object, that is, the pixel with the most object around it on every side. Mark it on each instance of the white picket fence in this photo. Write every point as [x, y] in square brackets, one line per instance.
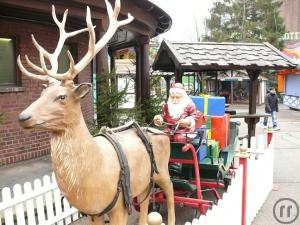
[228, 211]
[37, 205]
[259, 177]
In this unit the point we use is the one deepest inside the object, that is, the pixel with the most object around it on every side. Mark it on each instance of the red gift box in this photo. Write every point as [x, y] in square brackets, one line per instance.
[220, 126]
[201, 119]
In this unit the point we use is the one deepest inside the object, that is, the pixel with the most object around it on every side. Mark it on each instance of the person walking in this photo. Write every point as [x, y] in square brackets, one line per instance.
[271, 107]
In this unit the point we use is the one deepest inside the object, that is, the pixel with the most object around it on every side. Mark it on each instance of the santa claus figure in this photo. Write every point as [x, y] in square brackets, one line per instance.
[179, 111]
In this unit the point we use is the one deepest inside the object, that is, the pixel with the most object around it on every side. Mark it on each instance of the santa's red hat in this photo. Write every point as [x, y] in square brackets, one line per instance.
[177, 87]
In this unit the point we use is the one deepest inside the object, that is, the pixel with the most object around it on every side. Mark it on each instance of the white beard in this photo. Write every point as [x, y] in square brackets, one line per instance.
[177, 109]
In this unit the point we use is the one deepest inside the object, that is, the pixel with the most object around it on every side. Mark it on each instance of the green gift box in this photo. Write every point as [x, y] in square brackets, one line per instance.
[212, 148]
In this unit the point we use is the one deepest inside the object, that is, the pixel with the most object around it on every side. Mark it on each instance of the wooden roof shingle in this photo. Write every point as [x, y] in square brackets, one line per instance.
[203, 56]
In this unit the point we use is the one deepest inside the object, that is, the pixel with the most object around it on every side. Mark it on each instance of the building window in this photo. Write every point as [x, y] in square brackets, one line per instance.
[129, 99]
[8, 72]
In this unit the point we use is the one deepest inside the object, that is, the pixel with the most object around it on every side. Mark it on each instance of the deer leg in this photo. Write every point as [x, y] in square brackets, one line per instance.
[118, 215]
[144, 204]
[164, 181]
[97, 220]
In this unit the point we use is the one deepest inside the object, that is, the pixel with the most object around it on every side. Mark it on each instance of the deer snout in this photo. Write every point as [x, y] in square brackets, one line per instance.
[24, 116]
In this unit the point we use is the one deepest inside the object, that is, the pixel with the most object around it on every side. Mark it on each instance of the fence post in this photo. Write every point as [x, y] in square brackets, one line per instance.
[66, 207]
[39, 202]
[48, 199]
[57, 201]
[270, 136]
[8, 213]
[29, 205]
[244, 162]
[19, 207]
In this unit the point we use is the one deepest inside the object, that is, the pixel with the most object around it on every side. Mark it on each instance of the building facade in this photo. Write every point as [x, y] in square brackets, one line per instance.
[289, 80]
[18, 91]
[290, 12]
[20, 19]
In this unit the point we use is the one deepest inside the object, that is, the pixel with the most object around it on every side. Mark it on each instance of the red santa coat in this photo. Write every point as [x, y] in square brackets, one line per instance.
[190, 112]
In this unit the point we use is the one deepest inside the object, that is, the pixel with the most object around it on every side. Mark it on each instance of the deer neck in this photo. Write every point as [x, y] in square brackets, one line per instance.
[71, 151]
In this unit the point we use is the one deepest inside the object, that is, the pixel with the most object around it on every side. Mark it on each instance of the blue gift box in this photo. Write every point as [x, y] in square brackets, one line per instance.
[201, 152]
[215, 105]
[199, 102]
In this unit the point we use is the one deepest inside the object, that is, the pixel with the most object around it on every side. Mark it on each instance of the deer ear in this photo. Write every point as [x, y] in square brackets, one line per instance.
[82, 90]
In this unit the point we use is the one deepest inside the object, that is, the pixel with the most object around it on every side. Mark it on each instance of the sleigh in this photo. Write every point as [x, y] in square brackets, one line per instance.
[192, 176]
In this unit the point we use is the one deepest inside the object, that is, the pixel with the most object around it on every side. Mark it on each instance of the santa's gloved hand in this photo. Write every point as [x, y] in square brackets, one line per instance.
[158, 120]
[184, 123]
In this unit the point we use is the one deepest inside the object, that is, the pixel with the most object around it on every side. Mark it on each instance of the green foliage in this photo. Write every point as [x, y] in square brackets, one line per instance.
[92, 126]
[1, 117]
[246, 21]
[144, 113]
[153, 105]
[108, 100]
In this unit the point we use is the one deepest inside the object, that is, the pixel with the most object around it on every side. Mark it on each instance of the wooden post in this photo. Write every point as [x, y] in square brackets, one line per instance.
[216, 83]
[142, 72]
[145, 67]
[253, 88]
[112, 61]
[138, 74]
[101, 59]
[231, 89]
[114, 79]
[168, 84]
[178, 75]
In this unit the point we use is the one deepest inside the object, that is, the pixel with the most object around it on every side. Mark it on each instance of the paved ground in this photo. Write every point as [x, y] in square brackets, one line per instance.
[286, 172]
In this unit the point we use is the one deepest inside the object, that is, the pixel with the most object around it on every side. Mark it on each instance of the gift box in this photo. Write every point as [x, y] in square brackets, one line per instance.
[201, 136]
[216, 106]
[212, 148]
[201, 120]
[201, 152]
[199, 102]
[220, 126]
[210, 105]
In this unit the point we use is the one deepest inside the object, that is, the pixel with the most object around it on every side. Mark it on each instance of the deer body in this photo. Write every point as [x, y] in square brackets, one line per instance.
[87, 169]
[88, 173]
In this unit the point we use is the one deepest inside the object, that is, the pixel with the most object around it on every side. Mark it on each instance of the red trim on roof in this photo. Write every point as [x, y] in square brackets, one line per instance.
[289, 72]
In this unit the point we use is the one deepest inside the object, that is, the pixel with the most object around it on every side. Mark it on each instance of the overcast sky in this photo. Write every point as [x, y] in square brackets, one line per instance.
[185, 15]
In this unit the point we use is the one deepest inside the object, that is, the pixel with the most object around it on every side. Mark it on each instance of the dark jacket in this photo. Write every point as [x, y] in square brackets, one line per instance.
[271, 103]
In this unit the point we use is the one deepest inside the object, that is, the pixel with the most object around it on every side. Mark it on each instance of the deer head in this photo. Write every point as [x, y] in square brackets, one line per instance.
[58, 106]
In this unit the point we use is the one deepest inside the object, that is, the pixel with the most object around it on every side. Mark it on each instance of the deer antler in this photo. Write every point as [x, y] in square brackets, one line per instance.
[93, 47]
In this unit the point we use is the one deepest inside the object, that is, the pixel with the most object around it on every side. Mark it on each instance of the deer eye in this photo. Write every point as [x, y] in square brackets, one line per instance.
[62, 97]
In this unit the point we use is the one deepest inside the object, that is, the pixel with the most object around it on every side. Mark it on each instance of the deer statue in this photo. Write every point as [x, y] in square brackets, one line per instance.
[87, 168]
